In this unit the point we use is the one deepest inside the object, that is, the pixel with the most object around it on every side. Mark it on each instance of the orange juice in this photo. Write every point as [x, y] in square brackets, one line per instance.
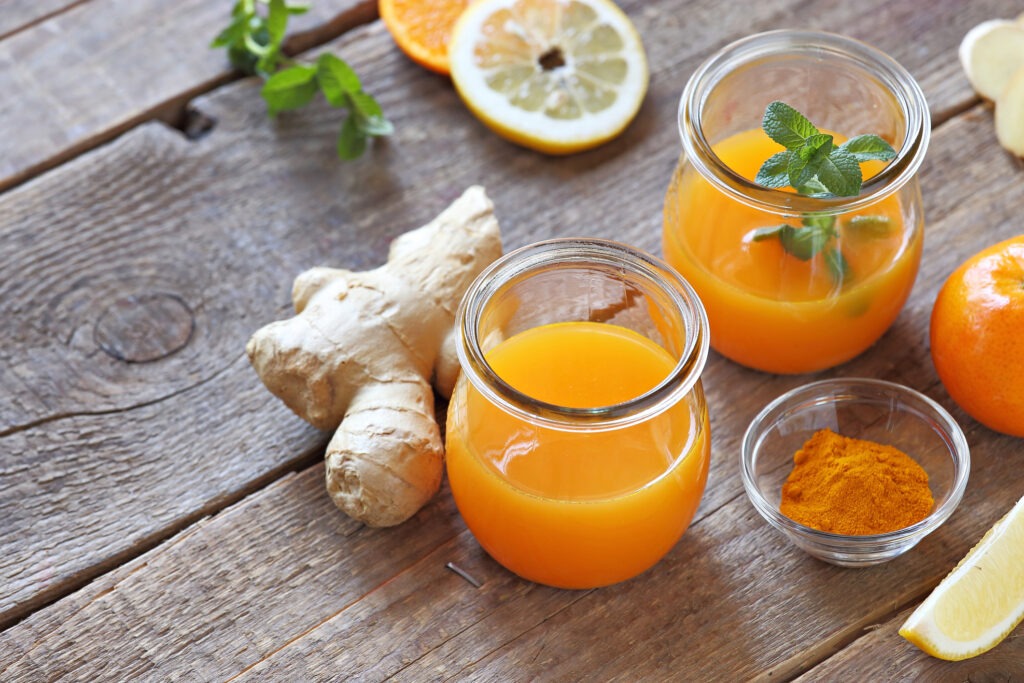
[767, 308]
[577, 508]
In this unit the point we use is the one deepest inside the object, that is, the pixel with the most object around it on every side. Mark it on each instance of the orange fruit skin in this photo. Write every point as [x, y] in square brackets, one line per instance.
[977, 336]
[422, 28]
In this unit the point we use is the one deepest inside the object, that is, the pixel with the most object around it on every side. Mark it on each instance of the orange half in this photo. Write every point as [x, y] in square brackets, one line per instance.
[422, 28]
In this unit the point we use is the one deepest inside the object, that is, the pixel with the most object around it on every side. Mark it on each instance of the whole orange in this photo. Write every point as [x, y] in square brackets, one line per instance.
[977, 336]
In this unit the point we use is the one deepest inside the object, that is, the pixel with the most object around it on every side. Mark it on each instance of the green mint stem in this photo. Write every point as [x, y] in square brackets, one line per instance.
[254, 40]
[815, 166]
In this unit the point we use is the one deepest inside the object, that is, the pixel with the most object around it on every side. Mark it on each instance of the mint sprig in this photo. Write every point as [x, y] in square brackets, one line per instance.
[815, 166]
[254, 40]
[813, 238]
[812, 163]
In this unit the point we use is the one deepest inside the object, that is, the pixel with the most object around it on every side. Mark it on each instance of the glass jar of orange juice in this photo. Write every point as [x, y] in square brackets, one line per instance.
[838, 283]
[577, 439]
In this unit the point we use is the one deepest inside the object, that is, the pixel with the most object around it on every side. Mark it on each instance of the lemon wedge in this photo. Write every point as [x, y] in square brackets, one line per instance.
[558, 76]
[980, 601]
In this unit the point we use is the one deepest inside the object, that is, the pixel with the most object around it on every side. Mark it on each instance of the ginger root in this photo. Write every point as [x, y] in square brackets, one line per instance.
[1010, 114]
[360, 354]
[992, 54]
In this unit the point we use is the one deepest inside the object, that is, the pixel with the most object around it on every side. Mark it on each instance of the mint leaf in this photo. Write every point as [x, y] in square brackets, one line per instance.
[377, 126]
[803, 243]
[814, 143]
[253, 40]
[786, 125]
[840, 174]
[267, 64]
[813, 188]
[233, 34]
[351, 140]
[242, 59]
[370, 117]
[809, 158]
[336, 79]
[762, 234]
[289, 89]
[821, 221]
[870, 226]
[277, 21]
[837, 264]
[868, 148]
[774, 173]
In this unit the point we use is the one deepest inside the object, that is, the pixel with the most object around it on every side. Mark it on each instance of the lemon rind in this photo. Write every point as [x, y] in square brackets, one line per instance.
[535, 129]
[921, 628]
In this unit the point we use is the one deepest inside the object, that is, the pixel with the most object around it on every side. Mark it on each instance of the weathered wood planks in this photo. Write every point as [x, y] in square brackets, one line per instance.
[18, 15]
[112, 457]
[87, 74]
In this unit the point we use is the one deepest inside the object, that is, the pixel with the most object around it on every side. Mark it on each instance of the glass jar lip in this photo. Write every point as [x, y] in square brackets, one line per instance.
[909, 96]
[552, 253]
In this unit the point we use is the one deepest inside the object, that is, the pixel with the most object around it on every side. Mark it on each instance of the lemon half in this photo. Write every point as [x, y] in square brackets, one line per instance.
[558, 76]
[980, 601]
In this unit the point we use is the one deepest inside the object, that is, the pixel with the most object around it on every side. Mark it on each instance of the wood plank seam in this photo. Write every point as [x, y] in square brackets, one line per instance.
[351, 603]
[183, 535]
[174, 110]
[458, 675]
[40, 19]
[174, 530]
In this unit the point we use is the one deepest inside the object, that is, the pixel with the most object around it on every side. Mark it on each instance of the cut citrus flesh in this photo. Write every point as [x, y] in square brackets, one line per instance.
[558, 76]
[980, 601]
[422, 29]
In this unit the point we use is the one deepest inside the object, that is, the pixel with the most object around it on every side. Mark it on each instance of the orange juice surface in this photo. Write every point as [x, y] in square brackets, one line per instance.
[577, 509]
[768, 309]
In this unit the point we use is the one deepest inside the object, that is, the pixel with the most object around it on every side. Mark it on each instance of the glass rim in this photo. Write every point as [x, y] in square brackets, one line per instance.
[945, 426]
[906, 91]
[564, 252]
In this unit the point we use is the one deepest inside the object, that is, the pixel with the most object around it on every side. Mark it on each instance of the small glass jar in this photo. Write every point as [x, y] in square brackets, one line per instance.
[577, 443]
[770, 309]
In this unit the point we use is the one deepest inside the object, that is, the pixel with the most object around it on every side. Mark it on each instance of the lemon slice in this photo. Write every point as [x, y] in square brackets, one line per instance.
[981, 600]
[558, 76]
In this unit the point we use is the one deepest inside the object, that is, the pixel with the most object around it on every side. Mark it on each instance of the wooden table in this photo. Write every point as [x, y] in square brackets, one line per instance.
[163, 517]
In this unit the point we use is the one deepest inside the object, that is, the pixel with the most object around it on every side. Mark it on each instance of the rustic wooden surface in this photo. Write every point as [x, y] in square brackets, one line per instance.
[161, 516]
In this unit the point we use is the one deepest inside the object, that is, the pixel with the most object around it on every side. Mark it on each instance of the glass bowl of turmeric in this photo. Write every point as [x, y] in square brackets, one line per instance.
[855, 471]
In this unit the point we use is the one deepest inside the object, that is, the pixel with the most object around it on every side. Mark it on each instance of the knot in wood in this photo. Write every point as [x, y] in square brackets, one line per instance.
[144, 327]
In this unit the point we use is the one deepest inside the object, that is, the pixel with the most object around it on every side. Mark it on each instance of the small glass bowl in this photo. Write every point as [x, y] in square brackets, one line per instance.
[863, 409]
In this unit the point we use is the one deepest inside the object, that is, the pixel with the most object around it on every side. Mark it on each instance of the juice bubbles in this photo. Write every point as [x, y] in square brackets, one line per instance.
[577, 443]
[851, 261]
[569, 509]
[771, 310]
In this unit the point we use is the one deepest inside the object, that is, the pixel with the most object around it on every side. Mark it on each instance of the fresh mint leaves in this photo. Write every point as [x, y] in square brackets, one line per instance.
[812, 163]
[253, 41]
[806, 242]
[815, 166]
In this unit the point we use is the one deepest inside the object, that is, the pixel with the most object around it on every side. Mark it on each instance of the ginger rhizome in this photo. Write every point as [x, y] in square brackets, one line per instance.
[363, 349]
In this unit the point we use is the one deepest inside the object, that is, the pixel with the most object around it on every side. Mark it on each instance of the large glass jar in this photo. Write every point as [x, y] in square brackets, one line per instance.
[773, 307]
[577, 440]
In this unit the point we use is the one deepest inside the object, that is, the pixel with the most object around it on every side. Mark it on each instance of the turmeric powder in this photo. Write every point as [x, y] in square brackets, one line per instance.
[854, 487]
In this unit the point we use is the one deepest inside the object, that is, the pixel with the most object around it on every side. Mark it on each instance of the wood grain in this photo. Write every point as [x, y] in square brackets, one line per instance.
[17, 15]
[278, 564]
[85, 75]
[881, 654]
[111, 457]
